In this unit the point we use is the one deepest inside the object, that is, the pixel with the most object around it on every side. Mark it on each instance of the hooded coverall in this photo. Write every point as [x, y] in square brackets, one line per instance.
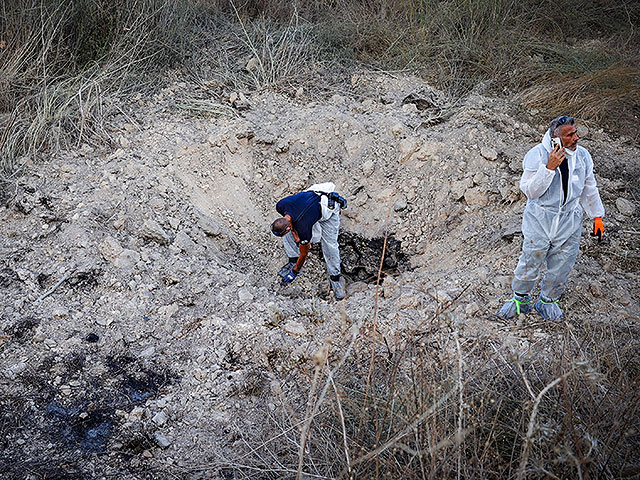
[551, 225]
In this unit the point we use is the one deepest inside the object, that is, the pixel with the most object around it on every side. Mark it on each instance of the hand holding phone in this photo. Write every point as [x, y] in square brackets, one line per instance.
[556, 157]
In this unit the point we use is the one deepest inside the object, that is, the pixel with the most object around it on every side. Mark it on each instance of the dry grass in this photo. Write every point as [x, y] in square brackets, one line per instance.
[594, 95]
[61, 61]
[456, 406]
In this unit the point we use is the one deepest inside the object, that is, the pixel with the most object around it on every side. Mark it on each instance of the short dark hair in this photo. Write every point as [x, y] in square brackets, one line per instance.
[556, 123]
[279, 226]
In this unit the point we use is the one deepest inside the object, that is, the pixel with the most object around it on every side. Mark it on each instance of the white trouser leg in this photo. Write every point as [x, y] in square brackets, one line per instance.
[290, 247]
[527, 272]
[560, 261]
[329, 242]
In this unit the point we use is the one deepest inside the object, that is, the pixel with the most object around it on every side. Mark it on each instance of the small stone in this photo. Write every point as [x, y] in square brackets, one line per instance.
[60, 312]
[294, 328]
[174, 222]
[409, 108]
[407, 147]
[368, 167]
[15, 369]
[408, 300]
[161, 440]
[151, 230]
[127, 259]
[459, 188]
[471, 309]
[244, 295]
[136, 414]
[361, 199]
[595, 288]
[397, 129]
[168, 311]
[475, 196]
[159, 418]
[110, 248]
[400, 205]
[480, 178]
[209, 225]
[252, 64]
[489, 153]
[148, 352]
[428, 150]
[184, 242]
[625, 207]
[387, 99]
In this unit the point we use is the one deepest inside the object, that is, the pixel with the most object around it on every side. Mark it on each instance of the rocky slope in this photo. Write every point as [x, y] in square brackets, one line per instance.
[143, 328]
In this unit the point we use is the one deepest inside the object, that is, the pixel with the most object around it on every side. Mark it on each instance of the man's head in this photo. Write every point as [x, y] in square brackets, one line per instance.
[564, 127]
[281, 227]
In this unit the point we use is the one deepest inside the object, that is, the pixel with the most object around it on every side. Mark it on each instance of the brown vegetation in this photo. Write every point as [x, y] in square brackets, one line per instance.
[61, 60]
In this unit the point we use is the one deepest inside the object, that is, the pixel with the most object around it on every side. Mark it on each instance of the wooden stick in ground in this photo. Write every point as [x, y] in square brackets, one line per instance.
[375, 320]
[53, 289]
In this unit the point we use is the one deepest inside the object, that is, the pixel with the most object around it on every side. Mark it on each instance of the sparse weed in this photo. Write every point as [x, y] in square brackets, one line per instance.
[458, 407]
[61, 60]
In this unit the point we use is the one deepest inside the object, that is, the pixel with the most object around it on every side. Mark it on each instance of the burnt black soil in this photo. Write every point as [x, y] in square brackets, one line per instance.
[361, 256]
[47, 431]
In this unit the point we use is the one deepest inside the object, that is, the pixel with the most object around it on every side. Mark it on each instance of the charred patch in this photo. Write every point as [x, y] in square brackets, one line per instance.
[137, 444]
[49, 427]
[86, 430]
[74, 362]
[7, 277]
[22, 329]
[137, 383]
[43, 279]
[361, 256]
[86, 280]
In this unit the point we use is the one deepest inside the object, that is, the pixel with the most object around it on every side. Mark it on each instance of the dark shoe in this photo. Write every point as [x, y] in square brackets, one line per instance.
[338, 288]
[284, 271]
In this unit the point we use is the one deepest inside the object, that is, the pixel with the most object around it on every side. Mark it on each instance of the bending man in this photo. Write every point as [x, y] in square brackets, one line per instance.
[559, 183]
[311, 216]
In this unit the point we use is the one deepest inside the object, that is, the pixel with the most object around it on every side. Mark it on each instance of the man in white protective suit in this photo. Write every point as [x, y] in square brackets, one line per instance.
[559, 183]
[309, 217]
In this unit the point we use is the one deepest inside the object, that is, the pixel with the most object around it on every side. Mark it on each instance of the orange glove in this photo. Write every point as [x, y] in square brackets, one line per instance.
[598, 228]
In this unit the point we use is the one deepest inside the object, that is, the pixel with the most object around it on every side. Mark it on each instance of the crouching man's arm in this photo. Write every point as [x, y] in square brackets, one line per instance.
[304, 251]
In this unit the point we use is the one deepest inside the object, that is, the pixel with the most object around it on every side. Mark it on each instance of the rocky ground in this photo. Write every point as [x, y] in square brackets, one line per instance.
[143, 330]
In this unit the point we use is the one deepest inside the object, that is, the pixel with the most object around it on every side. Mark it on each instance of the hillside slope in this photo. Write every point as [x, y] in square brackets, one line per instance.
[144, 330]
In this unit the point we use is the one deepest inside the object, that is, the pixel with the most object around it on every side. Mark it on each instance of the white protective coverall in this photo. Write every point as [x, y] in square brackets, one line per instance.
[550, 227]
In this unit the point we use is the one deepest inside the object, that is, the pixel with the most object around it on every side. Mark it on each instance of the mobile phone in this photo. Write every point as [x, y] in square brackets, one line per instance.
[556, 142]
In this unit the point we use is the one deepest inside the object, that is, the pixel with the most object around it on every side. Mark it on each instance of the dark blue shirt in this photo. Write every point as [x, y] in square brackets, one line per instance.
[304, 210]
